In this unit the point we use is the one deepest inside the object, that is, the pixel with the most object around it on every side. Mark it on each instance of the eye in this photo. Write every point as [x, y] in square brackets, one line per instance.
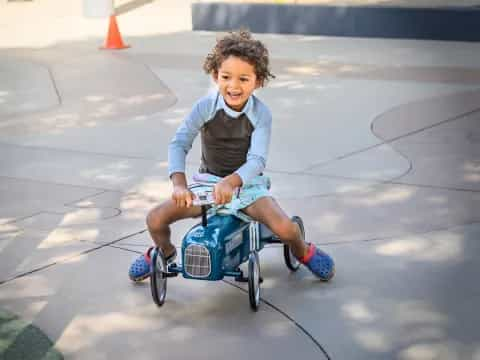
[244, 79]
[224, 77]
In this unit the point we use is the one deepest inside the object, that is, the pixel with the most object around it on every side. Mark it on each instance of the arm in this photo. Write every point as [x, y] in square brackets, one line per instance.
[259, 144]
[185, 135]
[178, 149]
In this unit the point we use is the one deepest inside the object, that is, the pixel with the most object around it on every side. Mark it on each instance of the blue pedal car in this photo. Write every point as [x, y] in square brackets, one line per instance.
[216, 248]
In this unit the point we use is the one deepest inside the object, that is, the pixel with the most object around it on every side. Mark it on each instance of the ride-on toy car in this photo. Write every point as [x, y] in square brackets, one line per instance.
[216, 248]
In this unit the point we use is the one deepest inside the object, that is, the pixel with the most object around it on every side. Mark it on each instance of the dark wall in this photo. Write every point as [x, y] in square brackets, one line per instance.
[453, 23]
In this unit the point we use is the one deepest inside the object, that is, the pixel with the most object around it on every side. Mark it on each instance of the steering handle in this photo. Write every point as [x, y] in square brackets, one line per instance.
[203, 196]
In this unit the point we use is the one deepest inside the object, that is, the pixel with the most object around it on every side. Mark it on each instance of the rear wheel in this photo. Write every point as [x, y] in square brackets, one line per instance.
[254, 280]
[290, 260]
[158, 278]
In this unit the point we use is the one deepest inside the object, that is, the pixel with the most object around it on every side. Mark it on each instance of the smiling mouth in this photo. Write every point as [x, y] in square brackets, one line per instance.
[235, 96]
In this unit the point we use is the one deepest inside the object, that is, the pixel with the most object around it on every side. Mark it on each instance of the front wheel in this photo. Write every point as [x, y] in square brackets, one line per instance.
[158, 278]
[290, 260]
[254, 280]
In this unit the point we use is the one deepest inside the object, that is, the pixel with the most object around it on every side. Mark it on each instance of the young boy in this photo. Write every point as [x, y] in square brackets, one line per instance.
[235, 133]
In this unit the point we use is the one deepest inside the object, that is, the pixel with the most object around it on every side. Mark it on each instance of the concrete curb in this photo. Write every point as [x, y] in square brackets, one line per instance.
[445, 23]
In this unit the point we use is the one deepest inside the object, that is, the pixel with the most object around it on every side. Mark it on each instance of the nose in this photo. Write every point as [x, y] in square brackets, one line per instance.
[234, 83]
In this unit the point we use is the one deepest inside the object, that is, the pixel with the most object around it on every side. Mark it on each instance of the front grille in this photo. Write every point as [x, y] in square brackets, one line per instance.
[197, 261]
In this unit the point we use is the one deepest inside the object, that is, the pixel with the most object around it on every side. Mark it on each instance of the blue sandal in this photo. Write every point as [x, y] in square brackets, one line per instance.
[140, 268]
[319, 263]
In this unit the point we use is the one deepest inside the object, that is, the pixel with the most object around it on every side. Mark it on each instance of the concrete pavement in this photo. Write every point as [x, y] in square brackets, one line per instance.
[375, 144]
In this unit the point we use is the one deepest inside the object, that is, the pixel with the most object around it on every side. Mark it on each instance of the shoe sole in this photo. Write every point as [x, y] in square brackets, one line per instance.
[331, 276]
[138, 279]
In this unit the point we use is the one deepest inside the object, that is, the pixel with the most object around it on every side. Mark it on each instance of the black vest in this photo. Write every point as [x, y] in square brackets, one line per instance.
[225, 143]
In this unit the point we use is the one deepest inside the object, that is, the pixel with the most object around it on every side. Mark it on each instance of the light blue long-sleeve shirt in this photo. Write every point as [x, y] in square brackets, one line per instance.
[203, 111]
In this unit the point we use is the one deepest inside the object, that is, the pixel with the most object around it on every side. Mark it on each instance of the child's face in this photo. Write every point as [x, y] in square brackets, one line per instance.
[236, 81]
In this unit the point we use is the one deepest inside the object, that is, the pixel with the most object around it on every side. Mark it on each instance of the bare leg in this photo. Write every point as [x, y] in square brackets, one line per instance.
[160, 218]
[267, 211]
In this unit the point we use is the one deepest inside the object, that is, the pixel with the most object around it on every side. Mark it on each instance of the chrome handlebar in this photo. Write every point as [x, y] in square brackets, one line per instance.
[203, 198]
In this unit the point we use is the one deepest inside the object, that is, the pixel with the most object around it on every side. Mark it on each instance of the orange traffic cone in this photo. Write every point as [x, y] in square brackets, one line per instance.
[114, 39]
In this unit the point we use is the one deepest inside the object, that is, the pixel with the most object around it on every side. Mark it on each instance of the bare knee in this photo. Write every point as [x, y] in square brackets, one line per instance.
[286, 230]
[157, 218]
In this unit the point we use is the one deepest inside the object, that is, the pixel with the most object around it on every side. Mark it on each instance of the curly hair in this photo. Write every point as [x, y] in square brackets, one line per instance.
[240, 44]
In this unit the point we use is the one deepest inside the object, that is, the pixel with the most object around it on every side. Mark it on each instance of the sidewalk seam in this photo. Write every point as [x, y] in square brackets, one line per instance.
[84, 252]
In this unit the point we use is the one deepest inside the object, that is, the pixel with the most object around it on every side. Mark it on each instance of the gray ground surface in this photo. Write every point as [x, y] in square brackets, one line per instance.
[375, 144]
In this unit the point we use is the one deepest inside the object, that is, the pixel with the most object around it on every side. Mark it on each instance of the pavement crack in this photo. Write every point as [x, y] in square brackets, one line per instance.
[392, 139]
[87, 197]
[59, 184]
[417, 131]
[83, 152]
[389, 182]
[87, 251]
[387, 238]
[55, 87]
[23, 218]
[289, 318]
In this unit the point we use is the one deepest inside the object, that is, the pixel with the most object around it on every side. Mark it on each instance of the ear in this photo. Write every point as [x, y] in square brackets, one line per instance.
[258, 83]
[215, 76]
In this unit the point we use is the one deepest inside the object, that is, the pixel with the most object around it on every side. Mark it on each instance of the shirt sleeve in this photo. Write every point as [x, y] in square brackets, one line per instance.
[182, 142]
[258, 151]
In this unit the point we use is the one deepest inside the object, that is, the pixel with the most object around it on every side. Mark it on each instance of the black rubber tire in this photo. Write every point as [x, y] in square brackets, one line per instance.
[158, 280]
[292, 263]
[254, 280]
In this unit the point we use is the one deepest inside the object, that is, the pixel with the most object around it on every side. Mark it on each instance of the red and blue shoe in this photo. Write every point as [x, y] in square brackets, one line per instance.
[141, 267]
[319, 263]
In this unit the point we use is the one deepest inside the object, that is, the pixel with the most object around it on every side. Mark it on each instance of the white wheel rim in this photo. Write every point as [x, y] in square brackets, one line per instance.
[256, 281]
[161, 281]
